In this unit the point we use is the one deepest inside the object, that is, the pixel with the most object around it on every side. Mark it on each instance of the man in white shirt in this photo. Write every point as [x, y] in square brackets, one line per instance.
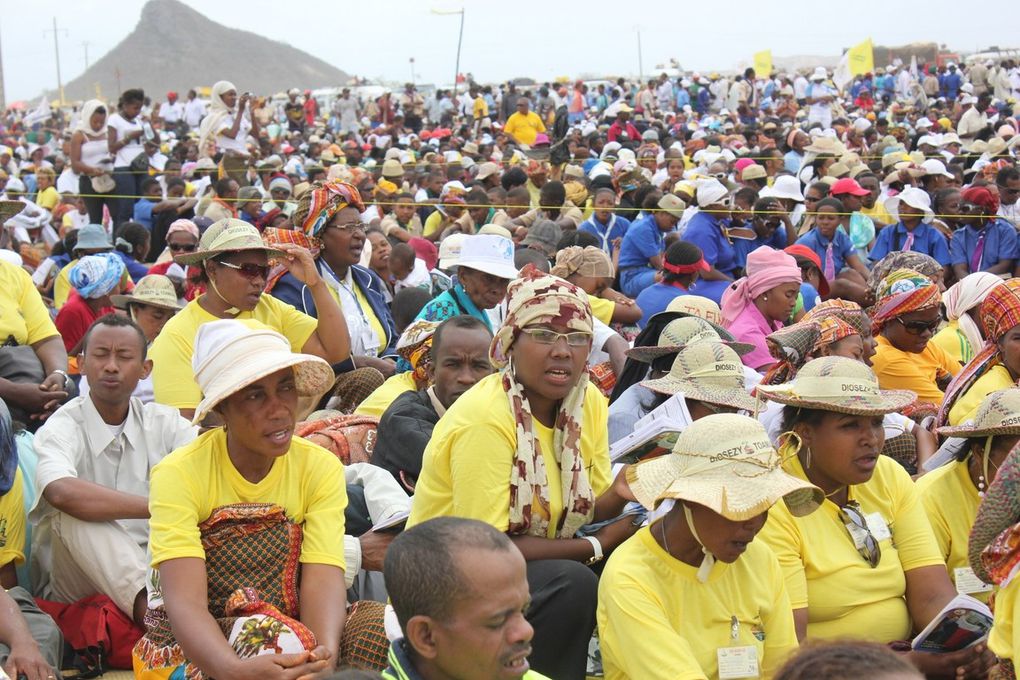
[171, 112]
[194, 110]
[95, 454]
[974, 119]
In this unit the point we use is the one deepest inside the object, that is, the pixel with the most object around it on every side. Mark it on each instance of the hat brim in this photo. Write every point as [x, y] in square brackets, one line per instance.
[9, 209]
[122, 301]
[668, 316]
[314, 377]
[736, 498]
[652, 352]
[203, 255]
[733, 397]
[889, 401]
[499, 269]
[967, 431]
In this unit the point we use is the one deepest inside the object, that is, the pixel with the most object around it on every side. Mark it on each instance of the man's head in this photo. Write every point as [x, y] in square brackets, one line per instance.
[460, 591]
[113, 359]
[460, 357]
[402, 261]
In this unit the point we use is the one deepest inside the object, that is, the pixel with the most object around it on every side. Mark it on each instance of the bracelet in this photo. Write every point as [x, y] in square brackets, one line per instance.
[61, 372]
[596, 548]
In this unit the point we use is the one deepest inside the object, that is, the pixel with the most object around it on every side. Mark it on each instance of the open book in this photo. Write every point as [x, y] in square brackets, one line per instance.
[653, 435]
[961, 623]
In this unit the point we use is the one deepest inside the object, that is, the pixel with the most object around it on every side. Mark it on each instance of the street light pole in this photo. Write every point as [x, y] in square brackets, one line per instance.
[412, 69]
[56, 51]
[3, 98]
[460, 39]
[640, 66]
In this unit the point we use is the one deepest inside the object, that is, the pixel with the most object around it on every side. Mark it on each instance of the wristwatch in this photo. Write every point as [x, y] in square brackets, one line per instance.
[597, 548]
[62, 372]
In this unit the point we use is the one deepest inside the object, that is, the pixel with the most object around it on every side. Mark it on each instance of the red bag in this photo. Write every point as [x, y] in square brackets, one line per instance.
[100, 633]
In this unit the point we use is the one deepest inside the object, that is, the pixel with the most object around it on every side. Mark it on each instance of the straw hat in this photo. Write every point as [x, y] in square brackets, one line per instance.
[681, 332]
[154, 290]
[826, 145]
[695, 305]
[9, 209]
[838, 384]
[999, 414]
[726, 463]
[706, 371]
[218, 372]
[227, 236]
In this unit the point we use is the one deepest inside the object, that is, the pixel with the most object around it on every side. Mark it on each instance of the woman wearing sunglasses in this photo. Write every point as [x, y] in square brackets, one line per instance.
[865, 565]
[181, 239]
[905, 319]
[525, 450]
[234, 264]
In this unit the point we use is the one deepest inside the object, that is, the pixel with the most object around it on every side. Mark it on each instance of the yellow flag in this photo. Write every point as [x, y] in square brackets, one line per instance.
[763, 63]
[862, 58]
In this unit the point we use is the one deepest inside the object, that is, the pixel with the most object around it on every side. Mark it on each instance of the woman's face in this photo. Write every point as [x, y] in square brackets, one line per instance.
[844, 448]
[726, 539]
[181, 242]
[604, 204]
[485, 290]
[827, 220]
[548, 372]
[343, 239]
[675, 168]
[43, 181]
[851, 347]
[592, 285]
[229, 98]
[130, 110]
[869, 340]
[380, 251]
[241, 288]
[911, 332]
[909, 214]
[97, 121]
[811, 198]
[1009, 349]
[260, 418]
[778, 303]
[151, 319]
[951, 209]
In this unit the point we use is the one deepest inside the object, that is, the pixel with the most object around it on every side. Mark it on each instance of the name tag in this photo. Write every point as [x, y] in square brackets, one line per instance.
[737, 662]
[878, 527]
[967, 582]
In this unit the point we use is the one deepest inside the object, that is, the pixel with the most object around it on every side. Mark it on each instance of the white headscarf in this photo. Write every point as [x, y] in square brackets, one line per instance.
[85, 124]
[965, 295]
[213, 121]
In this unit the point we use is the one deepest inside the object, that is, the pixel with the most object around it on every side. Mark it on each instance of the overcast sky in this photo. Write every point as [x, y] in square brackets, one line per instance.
[595, 37]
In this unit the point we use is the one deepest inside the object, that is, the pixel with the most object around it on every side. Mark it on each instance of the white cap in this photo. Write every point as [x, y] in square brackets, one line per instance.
[449, 250]
[935, 167]
[490, 254]
[915, 198]
[710, 191]
[785, 186]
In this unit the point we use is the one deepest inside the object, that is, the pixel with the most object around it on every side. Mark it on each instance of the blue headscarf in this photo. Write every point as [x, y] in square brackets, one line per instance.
[96, 275]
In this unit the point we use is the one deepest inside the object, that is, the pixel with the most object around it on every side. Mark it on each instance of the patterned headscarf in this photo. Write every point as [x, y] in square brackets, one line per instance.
[903, 259]
[326, 200]
[587, 261]
[794, 345]
[994, 537]
[537, 298]
[902, 292]
[999, 312]
[844, 310]
[415, 346]
[96, 275]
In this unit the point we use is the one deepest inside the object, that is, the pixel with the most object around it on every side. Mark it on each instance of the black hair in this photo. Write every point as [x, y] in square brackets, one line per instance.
[845, 661]
[576, 237]
[939, 199]
[513, 177]
[831, 202]
[406, 305]
[222, 185]
[462, 321]
[135, 234]
[148, 183]
[647, 196]
[680, 253]
[116, 321]
[1007, 174]
[795, 415]
[134, 95]
[518, 192]
[403, 254]
[765, 206]
[175, 182]
[746, 195]
[525, 256]
[820, 187]
[552, 194]
[421, 570]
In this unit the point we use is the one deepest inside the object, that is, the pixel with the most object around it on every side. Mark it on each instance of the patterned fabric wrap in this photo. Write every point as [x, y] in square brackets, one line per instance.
[364, 644]
[327, 199]
[1003, 670]
[902, 292]
[794, 345]
[251, 547]
[900, 259]
[603, 377]
[589, 261]
[847, 311]
[351, 438]
[999, 312]
[96, 275]
[415, 347]
[1002, 556]
[534, 299]
[998, 513]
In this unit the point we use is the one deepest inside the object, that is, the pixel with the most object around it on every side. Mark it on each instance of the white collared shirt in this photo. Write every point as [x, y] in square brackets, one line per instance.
[75, 442]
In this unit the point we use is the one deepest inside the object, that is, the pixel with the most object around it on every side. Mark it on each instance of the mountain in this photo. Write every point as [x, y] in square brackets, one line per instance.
[174, 47]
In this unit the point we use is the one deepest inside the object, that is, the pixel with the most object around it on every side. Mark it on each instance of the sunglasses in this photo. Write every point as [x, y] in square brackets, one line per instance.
[544, 336]
[249, 270]
[187, 248]
[919, 327]
[864, 541]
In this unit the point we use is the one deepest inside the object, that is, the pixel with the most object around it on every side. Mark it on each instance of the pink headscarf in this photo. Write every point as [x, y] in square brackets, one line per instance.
[182, 225]
[766, 269]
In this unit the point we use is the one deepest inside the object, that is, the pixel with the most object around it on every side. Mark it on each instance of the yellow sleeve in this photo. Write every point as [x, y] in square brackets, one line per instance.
[511, 124]
[931, 502]
[48, 199]
[481, 457]
[947, 364]
[538, 119]
[782, 535]
[173, 379]
[965, 408]
[12, 523]
[62, 286]
[781, 641]
[602, 309]
[174, 511]
[38, 323]
[432, 223]
[915, 541]
[323, 540]
[596, 414]
[296, 326]
[1004, 640]
[639, 640]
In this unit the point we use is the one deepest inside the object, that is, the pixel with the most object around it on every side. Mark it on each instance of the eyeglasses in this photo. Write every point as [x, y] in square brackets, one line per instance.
[347, 226]
[1003, 189]
[249, 270]
[919, 327]
[544, 336]
[864, 541]
[184, 247]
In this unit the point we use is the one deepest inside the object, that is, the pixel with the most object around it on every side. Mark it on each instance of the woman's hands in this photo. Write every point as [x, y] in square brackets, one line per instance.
[971, 663]
[281, 666]
[299, 262]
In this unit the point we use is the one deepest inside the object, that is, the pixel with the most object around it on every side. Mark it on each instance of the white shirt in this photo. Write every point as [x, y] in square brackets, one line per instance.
[225, 143]
[171, 113]
[194, 110]
[130, 151]
[76, 442]
[364, 340]
[971, 122]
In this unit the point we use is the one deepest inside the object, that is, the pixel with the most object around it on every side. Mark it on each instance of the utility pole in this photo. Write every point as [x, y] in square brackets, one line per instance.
[3, 98]
[460, 39]
[56, 51]
[85, 44]
[412, 70]
[640, 66]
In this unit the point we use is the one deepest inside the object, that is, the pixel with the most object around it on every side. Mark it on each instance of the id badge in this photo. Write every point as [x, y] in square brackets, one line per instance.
[878, 527]
[967, 582]
[737, 662]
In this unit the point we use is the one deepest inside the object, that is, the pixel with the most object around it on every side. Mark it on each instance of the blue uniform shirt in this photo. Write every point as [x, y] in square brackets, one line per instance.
[1000, 244]
[927, 240]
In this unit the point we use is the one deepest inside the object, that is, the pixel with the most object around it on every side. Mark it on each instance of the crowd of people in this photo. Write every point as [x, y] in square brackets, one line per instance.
[353, 388]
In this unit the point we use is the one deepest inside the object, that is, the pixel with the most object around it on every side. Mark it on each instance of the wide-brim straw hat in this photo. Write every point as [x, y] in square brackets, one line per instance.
[695, 305]
[230, 355]
[706, 371]
[999, 414]
[840, 385]
[682, 332]
[228, 235]
[9, 209]
[154, 290]
[726, 463]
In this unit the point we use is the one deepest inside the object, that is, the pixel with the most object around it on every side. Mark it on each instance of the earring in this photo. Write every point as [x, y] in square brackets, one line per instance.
[765, 298]
[807, 461]
[981, 486]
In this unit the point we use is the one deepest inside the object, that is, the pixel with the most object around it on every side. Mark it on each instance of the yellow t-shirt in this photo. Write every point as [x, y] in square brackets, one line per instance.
[602, 309]
[22, 312]
[899, 370]
[954, 343]
[384, 395]
[995, 379]
[524, 128]
[479, 108]
[12, 523]
[878, 213]
[172, 376]
[466, 465]
[47, 199]
[187, 485]
[657, 622]
[1003, 640]
[844, 596]
[951, 501]
[62, 285]
[433, 223]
